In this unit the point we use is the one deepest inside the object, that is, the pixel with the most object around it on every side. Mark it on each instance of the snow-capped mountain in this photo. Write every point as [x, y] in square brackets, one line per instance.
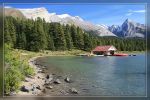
[34, 13]
[129, 29]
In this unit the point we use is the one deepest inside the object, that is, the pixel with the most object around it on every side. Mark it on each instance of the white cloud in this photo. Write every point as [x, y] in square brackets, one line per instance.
[130, 12]
[7, 7]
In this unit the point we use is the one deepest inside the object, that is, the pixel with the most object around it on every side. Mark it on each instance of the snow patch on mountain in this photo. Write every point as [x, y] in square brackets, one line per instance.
[34, 13]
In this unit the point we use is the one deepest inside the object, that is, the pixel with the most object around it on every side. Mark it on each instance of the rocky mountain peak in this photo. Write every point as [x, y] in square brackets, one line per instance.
[129, 28]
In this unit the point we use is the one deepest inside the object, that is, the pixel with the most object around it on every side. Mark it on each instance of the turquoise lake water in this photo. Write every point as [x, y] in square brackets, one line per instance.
[101, 76]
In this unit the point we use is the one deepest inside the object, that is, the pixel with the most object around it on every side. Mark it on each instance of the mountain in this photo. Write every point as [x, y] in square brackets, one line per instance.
[13, 12]
[42, 12]
[129, 29]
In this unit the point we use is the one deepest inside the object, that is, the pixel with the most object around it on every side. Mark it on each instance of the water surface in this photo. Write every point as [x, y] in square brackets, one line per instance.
[101, 76]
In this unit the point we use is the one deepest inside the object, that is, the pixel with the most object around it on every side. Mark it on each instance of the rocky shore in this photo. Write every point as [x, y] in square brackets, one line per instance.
[44, 83]
[37, 80]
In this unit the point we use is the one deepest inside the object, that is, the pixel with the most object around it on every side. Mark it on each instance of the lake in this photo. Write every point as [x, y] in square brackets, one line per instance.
[100, 76]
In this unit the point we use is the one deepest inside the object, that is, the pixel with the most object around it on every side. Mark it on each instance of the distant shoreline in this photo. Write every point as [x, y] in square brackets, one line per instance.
[132, 52]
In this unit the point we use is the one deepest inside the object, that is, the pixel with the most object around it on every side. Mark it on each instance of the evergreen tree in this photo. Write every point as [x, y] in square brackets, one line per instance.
[80, 38]
[68, 37]
[7, 37]
[36, 35]
[61, 42]
[74, 36]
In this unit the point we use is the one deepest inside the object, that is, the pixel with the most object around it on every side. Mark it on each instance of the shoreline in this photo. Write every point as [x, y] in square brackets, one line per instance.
[51, 89]
[37, 79]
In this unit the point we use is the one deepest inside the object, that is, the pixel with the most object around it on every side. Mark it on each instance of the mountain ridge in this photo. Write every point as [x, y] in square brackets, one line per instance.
[129, 28]
[66, 19]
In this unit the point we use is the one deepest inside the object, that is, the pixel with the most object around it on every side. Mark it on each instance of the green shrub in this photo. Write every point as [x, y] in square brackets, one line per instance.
[15, 70]
[28, 71]
[13, 78]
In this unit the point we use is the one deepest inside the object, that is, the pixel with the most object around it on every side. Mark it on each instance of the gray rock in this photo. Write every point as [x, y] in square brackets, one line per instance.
[38, 87]
[49, 87]
[26, 80]
[73, 90]
[48, 79]
[39, 77]
[24, 89]
[67, 79]
[57, 81]
[44, 90]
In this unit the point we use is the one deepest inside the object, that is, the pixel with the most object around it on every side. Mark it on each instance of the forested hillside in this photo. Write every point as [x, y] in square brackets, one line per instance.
[37, 35]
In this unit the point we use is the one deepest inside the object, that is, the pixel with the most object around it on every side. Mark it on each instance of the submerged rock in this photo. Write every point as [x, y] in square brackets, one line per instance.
[67, 79]
[57, 81]
[73, 90]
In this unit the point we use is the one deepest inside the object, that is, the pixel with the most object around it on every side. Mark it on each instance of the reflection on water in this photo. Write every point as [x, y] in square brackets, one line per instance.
[102, 76]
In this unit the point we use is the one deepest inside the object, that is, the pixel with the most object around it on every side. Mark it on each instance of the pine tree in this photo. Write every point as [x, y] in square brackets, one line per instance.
[61, 42]
[7, 37]
[74, 36]
[68, 37]
[80, 39]
[36, 35]
[87, 43]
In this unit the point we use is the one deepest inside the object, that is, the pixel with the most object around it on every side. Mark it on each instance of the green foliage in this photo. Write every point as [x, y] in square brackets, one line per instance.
[27, 70]
[68, 37]
[37, 35]
[12, 80]
[15, 70]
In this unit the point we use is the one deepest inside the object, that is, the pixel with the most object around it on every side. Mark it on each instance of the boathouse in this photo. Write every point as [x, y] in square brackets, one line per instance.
[104, 50]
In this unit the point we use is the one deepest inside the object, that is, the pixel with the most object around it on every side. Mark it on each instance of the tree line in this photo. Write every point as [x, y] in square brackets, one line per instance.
[37, 35]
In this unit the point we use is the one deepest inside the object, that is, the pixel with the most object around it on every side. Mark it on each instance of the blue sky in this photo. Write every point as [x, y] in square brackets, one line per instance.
[107, 14]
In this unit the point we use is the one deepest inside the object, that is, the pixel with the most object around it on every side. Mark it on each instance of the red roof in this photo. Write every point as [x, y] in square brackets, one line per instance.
[102, 48]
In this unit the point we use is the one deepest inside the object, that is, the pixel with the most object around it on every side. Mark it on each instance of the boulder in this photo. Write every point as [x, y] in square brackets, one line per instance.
[49, 87]
[67, 79]
[12, 93]
[57, 81]
[38, 87]
[48, 79]
[26, 80]
[44, 67]
[73, 90]
[38, 77]
[44, 90]
[24, 89]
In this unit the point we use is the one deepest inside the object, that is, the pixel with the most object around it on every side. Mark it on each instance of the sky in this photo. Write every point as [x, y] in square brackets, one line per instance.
[107, 14]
